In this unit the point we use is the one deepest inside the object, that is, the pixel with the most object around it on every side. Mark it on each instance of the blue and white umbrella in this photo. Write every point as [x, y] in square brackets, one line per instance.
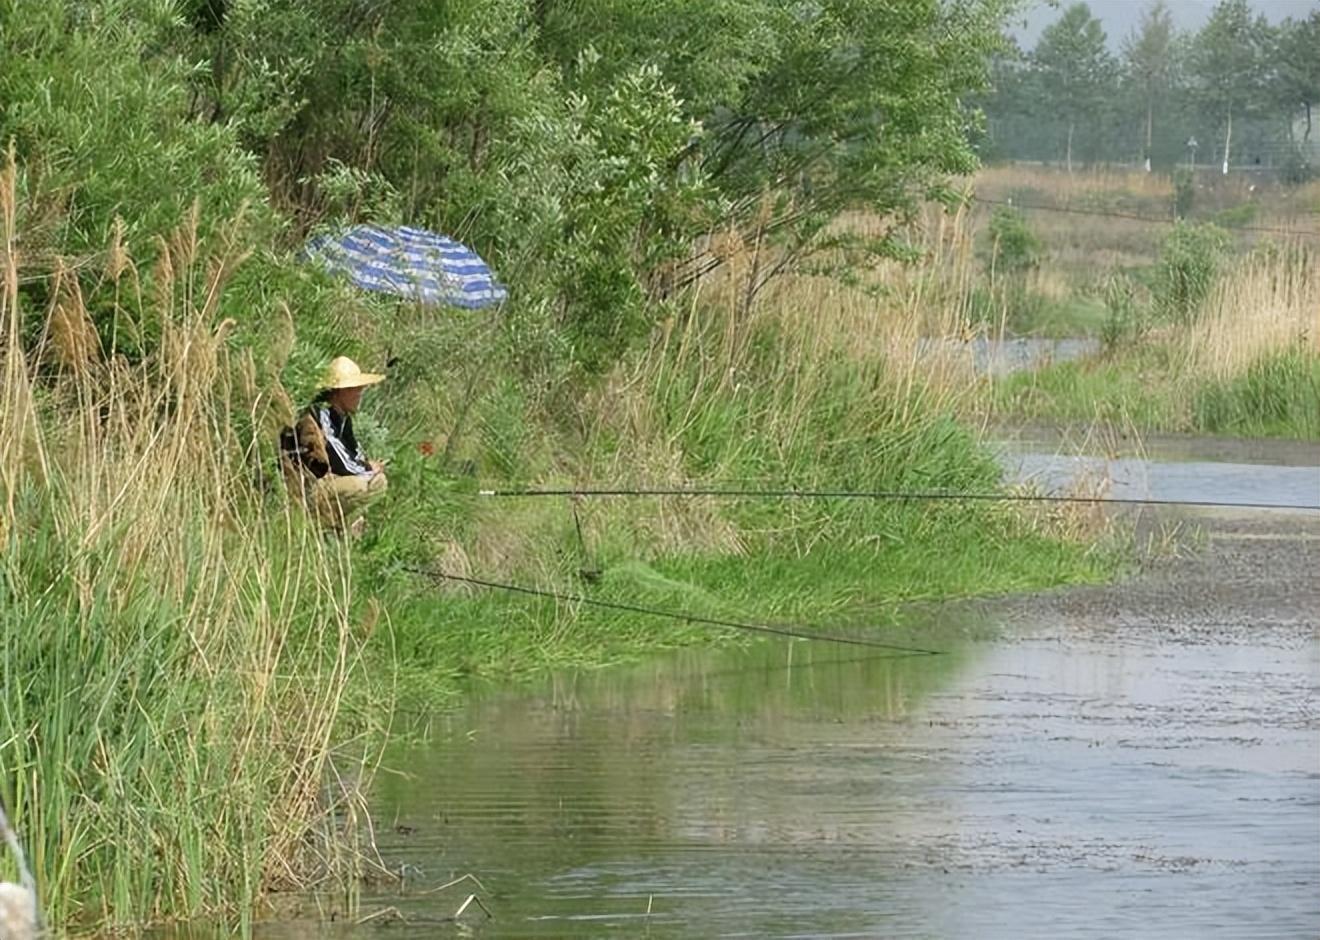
[409, 262]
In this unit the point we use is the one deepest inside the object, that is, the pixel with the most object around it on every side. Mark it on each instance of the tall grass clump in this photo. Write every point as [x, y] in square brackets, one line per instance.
[1190, 259]
[1256, 349]
[1278, 394]
[822, 385]
[178, 648]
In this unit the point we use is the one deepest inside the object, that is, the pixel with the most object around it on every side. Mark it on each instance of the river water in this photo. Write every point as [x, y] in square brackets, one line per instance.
[1006, 355]
[1227, 470]
[1137, 760]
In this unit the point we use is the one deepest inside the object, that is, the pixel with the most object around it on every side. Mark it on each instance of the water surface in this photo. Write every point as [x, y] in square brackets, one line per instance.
[1038, 784]
[1004, 356]
[1135, 760]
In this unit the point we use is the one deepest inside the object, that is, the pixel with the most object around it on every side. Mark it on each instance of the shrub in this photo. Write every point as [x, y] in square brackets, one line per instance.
[1189, 262]
[1184, 193]
[1125, 320]
[1236, 216]
[1014, 248]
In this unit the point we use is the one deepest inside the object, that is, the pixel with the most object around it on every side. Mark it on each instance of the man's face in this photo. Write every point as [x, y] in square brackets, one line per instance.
[347, 399]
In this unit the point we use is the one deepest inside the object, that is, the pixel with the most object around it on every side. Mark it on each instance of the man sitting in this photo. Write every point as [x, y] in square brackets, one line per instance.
[322, 447]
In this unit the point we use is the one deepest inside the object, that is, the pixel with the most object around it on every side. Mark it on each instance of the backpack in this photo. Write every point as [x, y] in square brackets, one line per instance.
[302, 453]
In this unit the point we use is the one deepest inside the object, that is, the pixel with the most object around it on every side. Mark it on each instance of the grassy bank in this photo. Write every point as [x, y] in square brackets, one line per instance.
[179, 650]
[1211, 325]
[809, 386]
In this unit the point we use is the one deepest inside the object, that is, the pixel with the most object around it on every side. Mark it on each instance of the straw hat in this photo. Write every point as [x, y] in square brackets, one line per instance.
[344, 373]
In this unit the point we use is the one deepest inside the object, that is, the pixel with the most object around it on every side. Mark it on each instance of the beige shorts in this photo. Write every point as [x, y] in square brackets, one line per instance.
[338, 500]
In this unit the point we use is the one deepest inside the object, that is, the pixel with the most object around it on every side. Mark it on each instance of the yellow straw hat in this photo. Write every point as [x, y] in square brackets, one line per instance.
[344, 373]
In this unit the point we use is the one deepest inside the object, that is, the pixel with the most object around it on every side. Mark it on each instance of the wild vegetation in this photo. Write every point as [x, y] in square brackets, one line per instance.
[709, 215]
[177, 654]
[1208, 324]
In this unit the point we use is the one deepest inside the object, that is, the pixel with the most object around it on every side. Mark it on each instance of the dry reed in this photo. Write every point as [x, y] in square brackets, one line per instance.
[127, 489]
[1270, 303]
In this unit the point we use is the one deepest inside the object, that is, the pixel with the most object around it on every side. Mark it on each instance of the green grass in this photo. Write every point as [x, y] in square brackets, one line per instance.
[1134, 387]
[154, 732]
[1019, 311]
[854, 579]
[829, 422]
[1278, 396]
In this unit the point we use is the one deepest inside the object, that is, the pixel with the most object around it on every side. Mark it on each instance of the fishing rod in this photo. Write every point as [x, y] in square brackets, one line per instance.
[880, 495]
[794, 632]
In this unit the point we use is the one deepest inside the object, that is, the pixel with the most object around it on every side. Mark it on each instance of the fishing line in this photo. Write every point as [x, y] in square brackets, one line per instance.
[684, 616]
[892, 495]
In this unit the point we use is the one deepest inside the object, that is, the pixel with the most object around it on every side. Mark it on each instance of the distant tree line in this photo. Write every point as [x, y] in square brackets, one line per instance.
[1239, 92]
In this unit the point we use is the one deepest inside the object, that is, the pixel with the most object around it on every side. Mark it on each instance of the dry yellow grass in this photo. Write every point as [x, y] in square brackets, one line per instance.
[1063, 188]
[1096, 234]
[126, 489]
[1269, 303]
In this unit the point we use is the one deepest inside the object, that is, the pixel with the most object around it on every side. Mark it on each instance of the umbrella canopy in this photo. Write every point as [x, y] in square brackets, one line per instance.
[409, 262]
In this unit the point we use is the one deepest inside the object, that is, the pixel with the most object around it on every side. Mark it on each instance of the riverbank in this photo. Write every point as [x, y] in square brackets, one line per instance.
[1148, 741]
[782, 395]
[1207, 325]
[171, 615]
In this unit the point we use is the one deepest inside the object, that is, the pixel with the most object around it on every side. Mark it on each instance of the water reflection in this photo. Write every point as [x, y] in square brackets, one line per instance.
[1015, 789]
[1023, 786]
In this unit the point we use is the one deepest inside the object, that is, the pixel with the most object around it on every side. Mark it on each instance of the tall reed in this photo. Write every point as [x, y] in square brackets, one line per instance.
[177, 645]
[814, 382]
[1270, 303]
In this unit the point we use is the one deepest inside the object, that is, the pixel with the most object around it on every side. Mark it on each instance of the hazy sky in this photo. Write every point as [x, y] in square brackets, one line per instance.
[1121, 16]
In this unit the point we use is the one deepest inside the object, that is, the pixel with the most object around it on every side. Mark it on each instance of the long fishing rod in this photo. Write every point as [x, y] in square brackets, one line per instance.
[684, 616]
[893, 495]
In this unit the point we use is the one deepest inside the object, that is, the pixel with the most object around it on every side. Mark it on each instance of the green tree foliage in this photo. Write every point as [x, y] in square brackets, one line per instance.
[97, 104]
[1229, 67]
[583, 147]
[1189, 262]
[1237, 86]
[1013, 247]
[1149, 66]
[1076, 72]
[1008, 103]
[1297, 58]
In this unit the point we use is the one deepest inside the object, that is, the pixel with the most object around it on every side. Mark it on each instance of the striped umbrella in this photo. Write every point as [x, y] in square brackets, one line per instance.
[409, 262]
